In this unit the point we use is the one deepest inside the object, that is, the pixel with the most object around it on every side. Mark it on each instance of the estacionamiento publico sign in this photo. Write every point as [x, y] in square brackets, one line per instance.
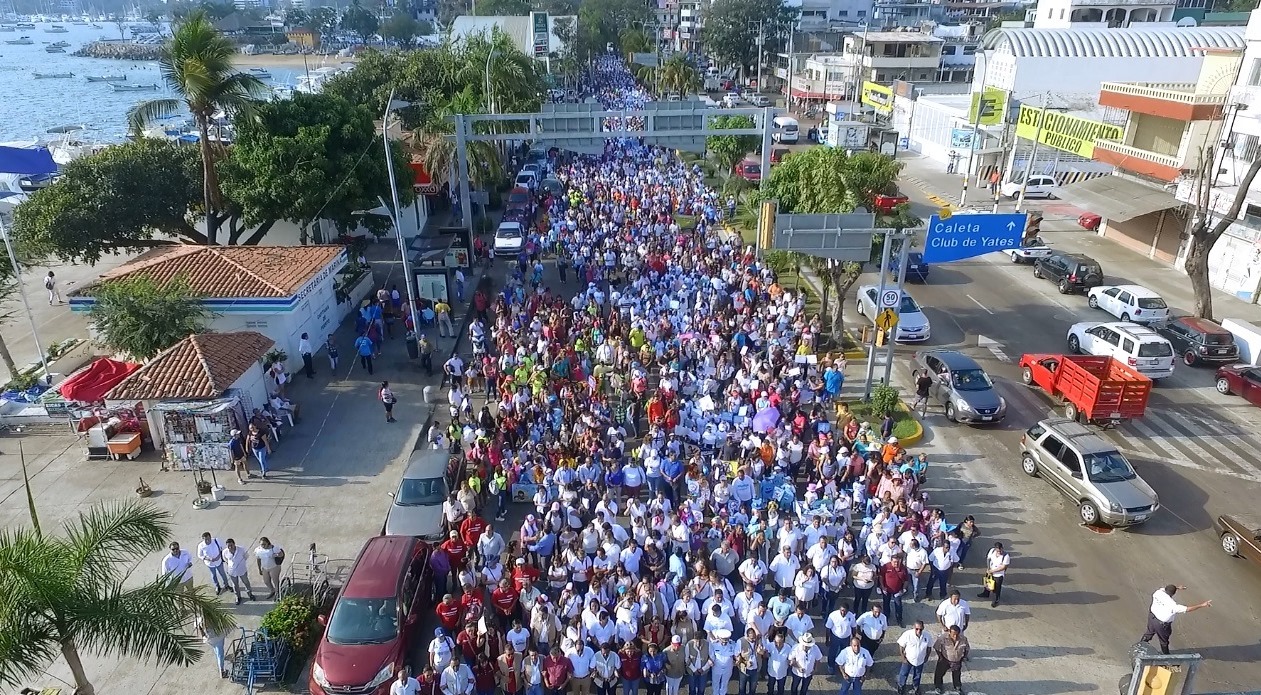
[1064, 132]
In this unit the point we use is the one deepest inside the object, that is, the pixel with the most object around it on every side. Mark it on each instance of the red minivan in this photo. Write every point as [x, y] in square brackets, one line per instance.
[368, 634]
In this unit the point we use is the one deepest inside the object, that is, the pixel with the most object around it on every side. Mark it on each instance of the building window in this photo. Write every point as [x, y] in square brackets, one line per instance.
[969, 50]
[862, 13]
[844, 13]
[1245, 148]
[948, 50]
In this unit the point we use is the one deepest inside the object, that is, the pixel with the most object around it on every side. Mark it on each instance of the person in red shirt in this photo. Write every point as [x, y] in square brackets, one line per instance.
[472, 604]
[448, 613]
[505, 599]
[557, 668]
[484, 675]
[632, 665]
[456, 550]
[893, 580]
[428, 681]
[522, 572]
[471, 528]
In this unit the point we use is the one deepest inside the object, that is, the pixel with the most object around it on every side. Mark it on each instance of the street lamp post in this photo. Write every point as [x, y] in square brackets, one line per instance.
[390, 106]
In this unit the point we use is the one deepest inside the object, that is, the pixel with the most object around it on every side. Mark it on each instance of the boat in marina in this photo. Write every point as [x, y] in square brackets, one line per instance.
[70, 142]
[260, 73]
[55, 49]
[8, 27]
[24, 25]
[106, 78]
[56, 29]
[133, 87]
[23, 41]
[53, 75]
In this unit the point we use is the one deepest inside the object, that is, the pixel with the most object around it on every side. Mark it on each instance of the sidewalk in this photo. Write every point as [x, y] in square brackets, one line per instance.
[1060, 230]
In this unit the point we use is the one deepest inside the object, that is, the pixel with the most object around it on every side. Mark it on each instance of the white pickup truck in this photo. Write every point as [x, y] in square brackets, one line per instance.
[1030, 251]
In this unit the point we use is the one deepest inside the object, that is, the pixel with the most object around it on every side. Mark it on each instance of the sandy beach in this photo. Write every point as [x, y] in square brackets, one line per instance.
[293, 62]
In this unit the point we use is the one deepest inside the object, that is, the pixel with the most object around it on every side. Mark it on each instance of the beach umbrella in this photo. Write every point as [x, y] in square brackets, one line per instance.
[766, 420]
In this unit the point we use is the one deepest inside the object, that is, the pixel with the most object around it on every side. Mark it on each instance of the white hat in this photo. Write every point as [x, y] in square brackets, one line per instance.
[722, 634]
[807, 639]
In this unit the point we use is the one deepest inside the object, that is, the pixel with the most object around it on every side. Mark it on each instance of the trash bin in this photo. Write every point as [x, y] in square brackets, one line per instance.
[430, 394]
[413, 347]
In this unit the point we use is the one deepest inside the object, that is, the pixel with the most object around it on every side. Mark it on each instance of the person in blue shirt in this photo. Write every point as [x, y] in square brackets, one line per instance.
[833, 382]
[672, 471]
[363, 345]
[546, 544]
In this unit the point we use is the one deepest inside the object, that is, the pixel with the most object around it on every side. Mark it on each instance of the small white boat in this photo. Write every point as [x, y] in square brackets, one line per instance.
[23, 41]
[8, 27]
[133, 87]
[53, 75]
[56, 29]
[260, 73]
[55, 49]
[106, 78]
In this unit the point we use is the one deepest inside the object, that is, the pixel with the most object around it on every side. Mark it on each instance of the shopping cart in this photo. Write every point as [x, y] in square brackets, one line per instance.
[258, 659]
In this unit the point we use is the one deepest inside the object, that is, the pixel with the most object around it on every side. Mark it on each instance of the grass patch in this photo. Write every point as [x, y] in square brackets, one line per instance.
[686, 222]
[903, 424]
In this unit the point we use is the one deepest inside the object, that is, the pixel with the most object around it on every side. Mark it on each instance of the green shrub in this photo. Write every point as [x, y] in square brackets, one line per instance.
[884, 399]
[293, 618]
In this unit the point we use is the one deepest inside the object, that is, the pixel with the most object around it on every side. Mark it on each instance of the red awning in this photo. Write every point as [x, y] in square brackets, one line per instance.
[424, 181]
[91, 384]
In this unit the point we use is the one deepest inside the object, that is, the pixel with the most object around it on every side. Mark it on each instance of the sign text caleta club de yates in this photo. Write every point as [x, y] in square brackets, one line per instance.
[1064, 132]
[968, 235]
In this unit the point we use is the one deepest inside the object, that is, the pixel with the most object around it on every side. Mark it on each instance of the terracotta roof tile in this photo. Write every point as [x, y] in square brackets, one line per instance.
[230, 272]
[199, 366]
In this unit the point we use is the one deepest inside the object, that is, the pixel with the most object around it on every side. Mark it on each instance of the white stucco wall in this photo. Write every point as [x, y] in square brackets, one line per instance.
[1069, 76]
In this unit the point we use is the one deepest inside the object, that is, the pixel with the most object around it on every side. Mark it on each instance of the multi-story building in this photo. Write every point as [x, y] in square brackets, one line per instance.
[905, 13]
[884, 56]
[969, 10]
[821, 14]
[960, 44]
[1101, 14]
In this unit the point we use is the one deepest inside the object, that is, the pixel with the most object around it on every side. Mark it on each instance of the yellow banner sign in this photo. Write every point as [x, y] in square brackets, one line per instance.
[878, 97]
[988, 107]
[1064, 132]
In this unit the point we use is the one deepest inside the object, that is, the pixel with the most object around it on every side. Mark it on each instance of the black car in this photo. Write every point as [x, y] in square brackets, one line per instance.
[1199, 341]
[916, 268]
[1071, 272]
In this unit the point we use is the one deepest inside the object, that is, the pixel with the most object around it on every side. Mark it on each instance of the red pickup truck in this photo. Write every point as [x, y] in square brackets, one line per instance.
[1098, 388]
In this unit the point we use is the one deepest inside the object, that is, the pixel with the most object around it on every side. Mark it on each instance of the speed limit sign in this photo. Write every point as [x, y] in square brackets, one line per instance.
[889, 298]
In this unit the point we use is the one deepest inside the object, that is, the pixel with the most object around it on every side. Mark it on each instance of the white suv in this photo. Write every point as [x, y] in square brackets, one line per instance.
[1140, 347]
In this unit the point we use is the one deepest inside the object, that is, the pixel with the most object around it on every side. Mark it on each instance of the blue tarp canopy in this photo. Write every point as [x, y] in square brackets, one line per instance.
[28, 161]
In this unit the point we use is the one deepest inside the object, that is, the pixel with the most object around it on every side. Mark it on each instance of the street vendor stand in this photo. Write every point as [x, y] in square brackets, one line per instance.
[197, 433]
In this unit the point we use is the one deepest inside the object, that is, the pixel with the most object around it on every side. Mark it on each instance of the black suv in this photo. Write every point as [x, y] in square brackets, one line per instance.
[1071, 272]
[1200, 341]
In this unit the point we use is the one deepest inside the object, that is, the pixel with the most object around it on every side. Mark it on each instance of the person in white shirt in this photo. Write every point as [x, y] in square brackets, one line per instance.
[582, 658]
[840, 626]
[210, 551]
[490, 543]
[441, 649]
[518, 637]
[915, 645]
[871, 627]
[1162, 612]
[996, 562]
[745, 601]
[954, 612]
[457, 678]
[777, 656]
[917, 565]
[722, 656]
[237, 564]
[784, 567]
[269, 556]
[305, 350]
[799, 624]
[179, 565]
[854, 663]
[753, 571]
[405, 685]
[941, 564]
[802, 660]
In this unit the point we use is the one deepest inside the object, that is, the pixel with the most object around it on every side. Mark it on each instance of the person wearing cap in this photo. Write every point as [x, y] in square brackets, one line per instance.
[853, 662]
[523, 573]
[802, 660]
[915, 646]
[441, 649]
[722, 657]
[448, 611]
[675, 665]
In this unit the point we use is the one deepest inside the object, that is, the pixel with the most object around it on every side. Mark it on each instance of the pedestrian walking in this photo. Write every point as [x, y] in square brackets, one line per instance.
[179, 565]
[915, 645]
[405, 684]
[442, 311]
[366, 349]
[388, 399]
[996, 563]
[50, 284]
[304, 349]
[236, 563]
[425, 347]
[240, 458]
[279, 375]
[210, 551]
[261, 447]
[215, 641]
[269, 557]
[854, 663]
[330, 348]
[995, 177]
[459, 285]
[1161, 614]
[923, 386]
[952, 651]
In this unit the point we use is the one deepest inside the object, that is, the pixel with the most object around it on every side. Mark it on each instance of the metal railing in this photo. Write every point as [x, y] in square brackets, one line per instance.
[1137, 153]
[1181, 92]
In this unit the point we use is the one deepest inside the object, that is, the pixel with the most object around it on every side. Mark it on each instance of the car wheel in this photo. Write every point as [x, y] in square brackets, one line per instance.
[1074, 344]
[1037, 271]
[1088, 513]
[858, 306]
[1230, 544]
[950, 412]
[1015, 258]
[1065, 288]
[1125, 316]
[1027, 376]
[1093, 302]
[1223, 386]
[1029, 466]
[1190, 358]
[1071, 412]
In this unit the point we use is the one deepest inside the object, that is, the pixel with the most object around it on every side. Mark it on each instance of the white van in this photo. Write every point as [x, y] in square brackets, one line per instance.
[1138, 346]
[786, 129]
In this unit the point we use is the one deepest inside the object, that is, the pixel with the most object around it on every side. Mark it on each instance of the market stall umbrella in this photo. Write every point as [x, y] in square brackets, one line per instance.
[766, 420]
[90, 385]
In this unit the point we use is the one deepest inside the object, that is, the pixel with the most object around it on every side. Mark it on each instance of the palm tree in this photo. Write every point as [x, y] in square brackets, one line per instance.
[65, 593]
[438, 153]
[196, 64]
[679, 76]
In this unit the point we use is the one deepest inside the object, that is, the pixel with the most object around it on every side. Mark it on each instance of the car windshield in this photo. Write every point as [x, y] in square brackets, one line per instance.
[519, 198]
[508, 233]
[915, 258]
[1154, 350]
[752, 168]
[421, 492]
[363, 621]
[1108, 467]
[1218, 339]
[971, 380]
[1152, 303]
[908, 305]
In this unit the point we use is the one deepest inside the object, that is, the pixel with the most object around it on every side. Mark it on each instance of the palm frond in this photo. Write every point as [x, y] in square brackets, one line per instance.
[31, 577]
[103, 541]
[146, 112]
[148, 622]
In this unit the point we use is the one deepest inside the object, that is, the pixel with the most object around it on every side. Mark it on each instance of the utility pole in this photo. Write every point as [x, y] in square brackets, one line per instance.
[1033, 154]
[761, 45]
[904, 240]
[857, 97]
[976, 135]
[788, 92]
[871, 354]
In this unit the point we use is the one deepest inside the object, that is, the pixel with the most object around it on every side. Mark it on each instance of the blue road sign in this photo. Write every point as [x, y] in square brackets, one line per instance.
[967, 235]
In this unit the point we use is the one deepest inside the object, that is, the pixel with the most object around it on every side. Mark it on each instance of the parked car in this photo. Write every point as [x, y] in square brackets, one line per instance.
[416, 509]
[759, 100]
[916, 268]
[1040, 186]
[1031, 251]
[552, 187]
[527, 179]
[369, 633]
[1071, 272]
[1088, 470]
[913, 326]
[520, 199]
[1240, 535]
[731, 99]
[1089, 221]
[1137, 346]
[778, 154]
[1129, 303]
[1240, 380]
[1199, 340]
[509, 238]
[748, 169]
[962, 387]
[886, 204]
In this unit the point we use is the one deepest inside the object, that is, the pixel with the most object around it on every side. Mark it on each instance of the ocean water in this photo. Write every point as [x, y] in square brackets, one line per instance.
[29, 106]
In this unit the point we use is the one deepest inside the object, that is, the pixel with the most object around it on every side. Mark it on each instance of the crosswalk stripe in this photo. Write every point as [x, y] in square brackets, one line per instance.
[1193, 434]
[1234, 450]
[1182, 450]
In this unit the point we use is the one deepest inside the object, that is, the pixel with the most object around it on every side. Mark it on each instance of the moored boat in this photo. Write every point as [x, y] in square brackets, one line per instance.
[133, 87]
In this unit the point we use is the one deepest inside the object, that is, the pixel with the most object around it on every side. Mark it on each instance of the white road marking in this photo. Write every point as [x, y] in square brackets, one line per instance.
[995, 347]
[1184, 463]
[974, 301]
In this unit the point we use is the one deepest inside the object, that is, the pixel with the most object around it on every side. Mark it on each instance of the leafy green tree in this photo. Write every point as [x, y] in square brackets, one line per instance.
[323, 20]
[360, 20]
[197, 64]
[731, 28]
[403, 29]
[138, 317]
[215, 10]
[558, 7]
[437, 152]
[68, 594]
[726, 150]
[633, 40]
[448, 10]
[302, 159]
[503, 8]
[297, 17]
[565, 29]
[126, 197]
[600, 22]
[680, 76]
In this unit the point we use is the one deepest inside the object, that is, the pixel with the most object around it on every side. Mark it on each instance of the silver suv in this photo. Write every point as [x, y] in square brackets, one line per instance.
[1088, 470]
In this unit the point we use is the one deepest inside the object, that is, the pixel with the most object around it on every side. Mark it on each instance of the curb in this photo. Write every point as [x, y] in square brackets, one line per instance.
[914, 438]
[857, 353]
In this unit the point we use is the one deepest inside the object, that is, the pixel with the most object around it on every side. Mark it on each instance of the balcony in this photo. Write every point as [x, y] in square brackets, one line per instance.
[1132, 159]
[1176, 100]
